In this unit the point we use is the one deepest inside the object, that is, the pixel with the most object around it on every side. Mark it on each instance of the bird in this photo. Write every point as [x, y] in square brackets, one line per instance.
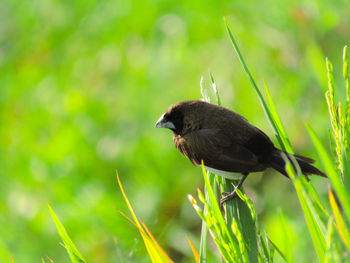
[226, 143]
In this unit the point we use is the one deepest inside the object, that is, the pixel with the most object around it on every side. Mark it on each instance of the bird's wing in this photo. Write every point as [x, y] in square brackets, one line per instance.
[217, 150]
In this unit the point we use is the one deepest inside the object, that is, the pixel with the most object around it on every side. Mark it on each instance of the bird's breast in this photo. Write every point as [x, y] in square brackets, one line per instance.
[226, 174]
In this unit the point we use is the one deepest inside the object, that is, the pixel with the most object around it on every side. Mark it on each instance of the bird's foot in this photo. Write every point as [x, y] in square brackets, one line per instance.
[228, 196]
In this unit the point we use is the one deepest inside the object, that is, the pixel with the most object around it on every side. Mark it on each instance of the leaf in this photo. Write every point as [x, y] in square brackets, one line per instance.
[331, 171]
[155, 251]
[194, 250]
[287, 239]
[255, 86]
[340, 224]
[311, 217]
[282, 134]
[72, 250]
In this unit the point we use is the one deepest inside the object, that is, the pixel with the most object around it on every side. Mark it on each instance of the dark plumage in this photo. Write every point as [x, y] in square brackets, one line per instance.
[224, 140]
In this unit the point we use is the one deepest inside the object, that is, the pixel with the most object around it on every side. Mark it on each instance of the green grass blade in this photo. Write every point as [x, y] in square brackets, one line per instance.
[265, 249]
[252, 81]
[278, 123]
[203, 243]
[331, 171]
[287, 239]
[245, 216]
[279, 251]
[311, 192]
[235, 46]
[311, 217]
[238, 210]
[346, 71]
[72, 250]
[346, 166]
[204, 234]
[212, 198]
[275, 123]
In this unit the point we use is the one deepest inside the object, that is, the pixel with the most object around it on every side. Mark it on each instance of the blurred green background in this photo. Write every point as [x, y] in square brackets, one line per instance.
[83, 82]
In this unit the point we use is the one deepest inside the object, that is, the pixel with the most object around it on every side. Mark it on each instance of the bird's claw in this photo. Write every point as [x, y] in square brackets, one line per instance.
[228, 196]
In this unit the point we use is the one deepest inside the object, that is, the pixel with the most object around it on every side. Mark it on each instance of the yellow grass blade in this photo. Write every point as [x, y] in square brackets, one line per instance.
[128, 203]
[154, 250]
[194, 250]
[340, 224]
[155, 242]
[72, 250]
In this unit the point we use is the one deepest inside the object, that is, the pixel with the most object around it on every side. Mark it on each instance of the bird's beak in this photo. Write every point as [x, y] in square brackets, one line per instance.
[163, 123]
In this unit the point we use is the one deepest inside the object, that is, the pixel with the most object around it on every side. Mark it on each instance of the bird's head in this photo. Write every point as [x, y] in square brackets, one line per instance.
[183, 117]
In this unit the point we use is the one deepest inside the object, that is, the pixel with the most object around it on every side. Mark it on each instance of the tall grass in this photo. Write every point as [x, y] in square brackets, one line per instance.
[329, 246]
[237, 233]
[154, 250]
[74, 254]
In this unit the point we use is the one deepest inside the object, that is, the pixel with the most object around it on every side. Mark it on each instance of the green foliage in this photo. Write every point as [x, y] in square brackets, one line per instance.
[311, 216]
[308, 197]
[154, 250]
[340, 118]
[228, 235]
[228, 246]
[72, 250]
[338, 177]
[82, 83]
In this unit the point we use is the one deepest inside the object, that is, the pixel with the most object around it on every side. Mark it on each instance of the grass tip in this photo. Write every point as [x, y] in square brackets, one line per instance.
[191, 199]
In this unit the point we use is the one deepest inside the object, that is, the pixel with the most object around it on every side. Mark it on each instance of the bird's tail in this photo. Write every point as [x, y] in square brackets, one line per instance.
[278, 163]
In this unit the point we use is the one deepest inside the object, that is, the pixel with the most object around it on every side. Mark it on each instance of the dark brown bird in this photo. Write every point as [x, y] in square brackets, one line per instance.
[226, 142]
